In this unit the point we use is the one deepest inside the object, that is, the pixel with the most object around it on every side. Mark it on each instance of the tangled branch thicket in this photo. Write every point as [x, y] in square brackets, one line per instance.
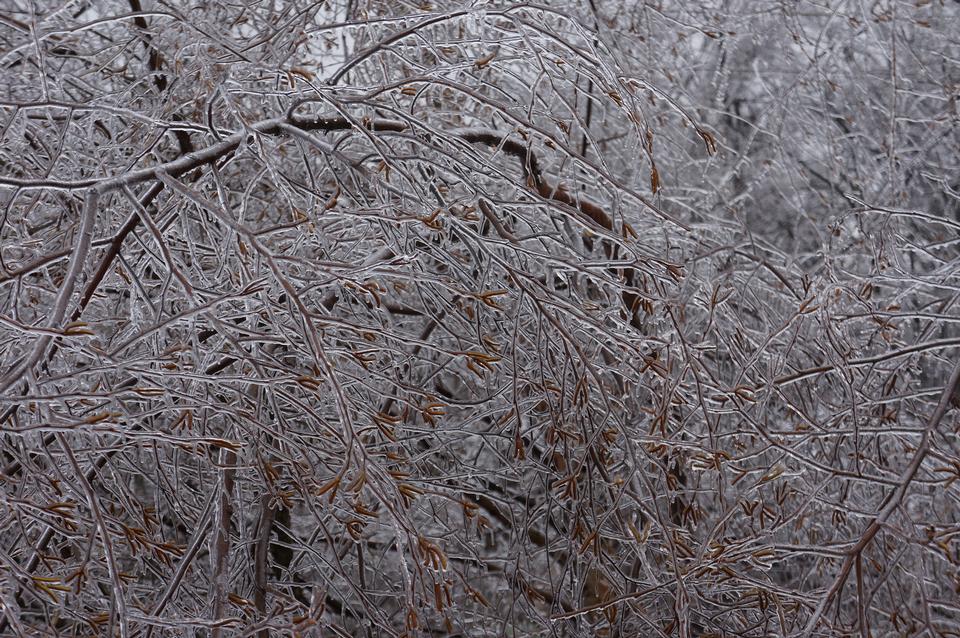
[576, 319]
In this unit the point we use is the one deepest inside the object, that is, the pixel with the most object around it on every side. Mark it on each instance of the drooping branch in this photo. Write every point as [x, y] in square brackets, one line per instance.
[588, 211]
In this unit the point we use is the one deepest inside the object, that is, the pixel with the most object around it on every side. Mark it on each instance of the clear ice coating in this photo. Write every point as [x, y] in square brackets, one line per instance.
[445, 318]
